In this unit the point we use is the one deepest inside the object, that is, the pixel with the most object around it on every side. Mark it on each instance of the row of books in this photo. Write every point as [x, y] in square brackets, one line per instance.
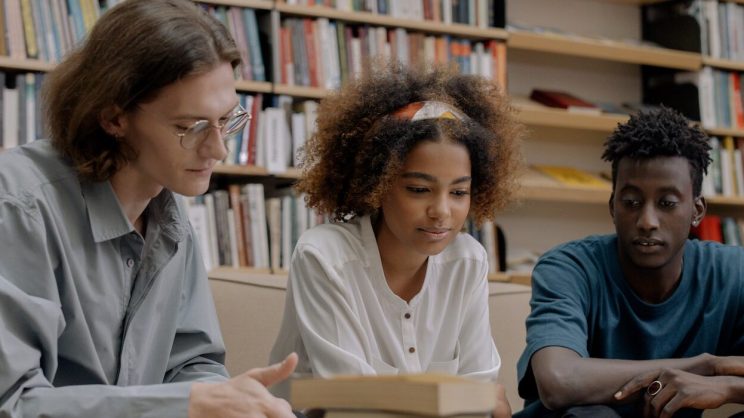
[721, 28]
[726, 230]
[492, 238]
[243, 26]
[21, 120]
[324, 53]
[275, 134]
[719, 95]
[726, 172]
[240, 227]
[45, 29]
[480, 13]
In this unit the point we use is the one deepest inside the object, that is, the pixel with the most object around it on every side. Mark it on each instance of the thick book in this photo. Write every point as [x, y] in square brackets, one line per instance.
[425, 394]
[563, 100]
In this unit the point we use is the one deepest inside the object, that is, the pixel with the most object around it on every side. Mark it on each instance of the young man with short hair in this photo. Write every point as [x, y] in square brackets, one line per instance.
[639, 322]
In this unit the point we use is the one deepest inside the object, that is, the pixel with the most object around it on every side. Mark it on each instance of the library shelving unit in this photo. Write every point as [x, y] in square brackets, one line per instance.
[530, 113]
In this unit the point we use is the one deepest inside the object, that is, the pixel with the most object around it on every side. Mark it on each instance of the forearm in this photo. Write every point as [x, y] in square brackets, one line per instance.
[736, 389]
[586, 381]
[93, 401]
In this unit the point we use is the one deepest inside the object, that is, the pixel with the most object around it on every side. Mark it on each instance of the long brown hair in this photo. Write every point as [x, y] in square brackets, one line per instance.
[134, 50]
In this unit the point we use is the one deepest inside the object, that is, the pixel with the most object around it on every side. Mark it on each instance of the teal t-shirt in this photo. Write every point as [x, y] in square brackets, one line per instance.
[581, 301]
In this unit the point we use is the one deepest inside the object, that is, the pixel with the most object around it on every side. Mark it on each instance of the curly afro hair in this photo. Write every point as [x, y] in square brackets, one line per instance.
[660, 133]
[358, 149]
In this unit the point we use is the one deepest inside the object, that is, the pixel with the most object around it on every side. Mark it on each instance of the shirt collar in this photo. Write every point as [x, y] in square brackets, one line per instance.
[108, 221]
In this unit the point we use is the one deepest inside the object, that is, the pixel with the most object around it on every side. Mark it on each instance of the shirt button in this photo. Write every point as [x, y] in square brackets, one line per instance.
[407, 315]
[130, 262]
[411, 350]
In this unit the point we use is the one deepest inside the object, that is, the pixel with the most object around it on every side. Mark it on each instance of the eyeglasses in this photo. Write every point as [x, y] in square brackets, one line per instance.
[195, 134]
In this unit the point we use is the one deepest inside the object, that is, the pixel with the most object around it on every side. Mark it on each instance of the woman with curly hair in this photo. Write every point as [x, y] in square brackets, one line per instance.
[400, 159]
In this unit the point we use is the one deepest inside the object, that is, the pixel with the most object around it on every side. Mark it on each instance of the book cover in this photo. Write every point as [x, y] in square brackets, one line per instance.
[563, 100]
[427, 394]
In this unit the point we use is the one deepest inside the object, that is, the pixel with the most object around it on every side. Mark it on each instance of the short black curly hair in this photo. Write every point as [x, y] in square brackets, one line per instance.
[357, 151]
[662, 132]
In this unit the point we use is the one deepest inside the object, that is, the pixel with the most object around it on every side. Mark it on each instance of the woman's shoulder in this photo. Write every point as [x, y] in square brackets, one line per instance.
[336, 241]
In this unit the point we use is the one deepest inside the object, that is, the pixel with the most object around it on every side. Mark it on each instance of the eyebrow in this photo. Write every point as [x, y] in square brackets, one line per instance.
[194, 117]
[430, 178]
[666, 189]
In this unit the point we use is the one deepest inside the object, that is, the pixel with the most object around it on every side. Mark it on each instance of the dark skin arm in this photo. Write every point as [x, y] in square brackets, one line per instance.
[566, 379]
[681, 389]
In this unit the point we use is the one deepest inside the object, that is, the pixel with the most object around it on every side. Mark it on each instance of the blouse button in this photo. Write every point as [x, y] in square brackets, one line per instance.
[412, 350]
[407, 315]
[130, 262]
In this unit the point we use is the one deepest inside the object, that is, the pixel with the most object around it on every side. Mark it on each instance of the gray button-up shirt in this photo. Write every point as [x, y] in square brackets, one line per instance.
[96, 321]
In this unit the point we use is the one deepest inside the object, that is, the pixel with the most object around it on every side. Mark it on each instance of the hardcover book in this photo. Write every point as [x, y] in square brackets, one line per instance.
[426, 394]
[563, 100]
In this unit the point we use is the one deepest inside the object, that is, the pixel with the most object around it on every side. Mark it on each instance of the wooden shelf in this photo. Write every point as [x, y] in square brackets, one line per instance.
[725, 132]
[455, 29]
[725, 201]
[517, 277]
[9, 63]
[603, 50]
[540, 190]
[724, 63]
[253, 4]
[252, 170]
[536, 114]
[253, 86]
[558, 193]
[301, 91]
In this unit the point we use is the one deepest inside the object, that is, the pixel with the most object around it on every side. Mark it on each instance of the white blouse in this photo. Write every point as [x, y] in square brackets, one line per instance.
[342, 318]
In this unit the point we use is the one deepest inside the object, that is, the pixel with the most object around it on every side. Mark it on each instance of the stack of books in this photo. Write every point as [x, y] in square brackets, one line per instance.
[401, 396]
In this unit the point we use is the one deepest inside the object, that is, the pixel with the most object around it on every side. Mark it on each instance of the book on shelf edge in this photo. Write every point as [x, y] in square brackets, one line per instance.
[425, 394]
[564, 100]
[571, 176]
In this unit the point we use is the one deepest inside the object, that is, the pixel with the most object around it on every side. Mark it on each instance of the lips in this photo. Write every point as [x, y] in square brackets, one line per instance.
[435, 234]
[648, 242]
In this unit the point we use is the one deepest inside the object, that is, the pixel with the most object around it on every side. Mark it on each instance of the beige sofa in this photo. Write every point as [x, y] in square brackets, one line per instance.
[250, 312]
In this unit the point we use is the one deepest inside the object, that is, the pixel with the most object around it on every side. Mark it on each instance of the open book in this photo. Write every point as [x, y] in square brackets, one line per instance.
[425, 394]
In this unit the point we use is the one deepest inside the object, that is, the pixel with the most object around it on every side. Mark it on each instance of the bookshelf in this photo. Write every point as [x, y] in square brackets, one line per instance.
[8, 63]
[254, 86]
[536, 114]
[609, 50]
[253, 4]
[723, 63]
[455, 29]
[591, 62]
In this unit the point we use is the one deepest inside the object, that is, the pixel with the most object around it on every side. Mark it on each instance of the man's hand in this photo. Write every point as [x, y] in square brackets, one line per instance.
[244, 395]
[667, 391]
[502, 410]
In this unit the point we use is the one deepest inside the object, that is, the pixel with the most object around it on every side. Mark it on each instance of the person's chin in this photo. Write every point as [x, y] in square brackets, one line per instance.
[191, 189]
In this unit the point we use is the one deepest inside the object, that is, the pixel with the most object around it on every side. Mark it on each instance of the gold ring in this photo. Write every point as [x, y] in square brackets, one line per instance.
[654, 388]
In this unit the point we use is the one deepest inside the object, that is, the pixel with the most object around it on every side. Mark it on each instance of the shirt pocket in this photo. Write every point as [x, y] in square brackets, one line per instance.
[383, 368]
[447, 366]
